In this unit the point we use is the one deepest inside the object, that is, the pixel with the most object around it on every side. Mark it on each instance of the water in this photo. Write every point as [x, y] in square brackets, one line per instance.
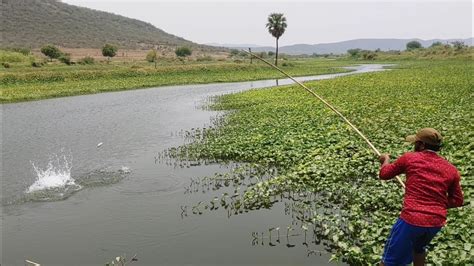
[81, 183]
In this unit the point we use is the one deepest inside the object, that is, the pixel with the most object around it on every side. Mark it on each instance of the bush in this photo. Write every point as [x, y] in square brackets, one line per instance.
[6, 65]
[287, 64]
[51, 51]
[368, 55]
[37, 64]
[12, 57]
[66, 59]
[234, 52]
[183, 51]
[23, 51]
[151, 56]
[413, 45]
[86, 61]
[238, 61]
[270, 53]
[458, 45]
[109, 50]
[204, 58]
[354, 52]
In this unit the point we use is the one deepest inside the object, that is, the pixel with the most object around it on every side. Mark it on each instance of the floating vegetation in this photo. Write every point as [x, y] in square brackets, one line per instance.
[293, 151]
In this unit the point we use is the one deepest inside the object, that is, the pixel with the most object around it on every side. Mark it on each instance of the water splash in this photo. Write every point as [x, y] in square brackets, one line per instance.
[56, 175]
[54, 181]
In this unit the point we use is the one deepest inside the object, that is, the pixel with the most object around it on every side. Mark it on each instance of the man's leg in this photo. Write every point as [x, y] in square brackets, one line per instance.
[425, 235]
[419, 258]
[398, 248]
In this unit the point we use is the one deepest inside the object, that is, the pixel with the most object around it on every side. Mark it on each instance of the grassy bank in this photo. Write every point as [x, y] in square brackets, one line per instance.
[24, 83]
[316, 153]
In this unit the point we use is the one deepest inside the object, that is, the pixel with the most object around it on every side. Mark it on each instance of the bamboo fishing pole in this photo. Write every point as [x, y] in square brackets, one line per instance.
[328, 105]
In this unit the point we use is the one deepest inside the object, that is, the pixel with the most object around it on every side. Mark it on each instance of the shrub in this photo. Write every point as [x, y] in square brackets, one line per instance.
[66, 59]
[23, 51]
[287, 64]
[204, 58]
[183, 51]
[271, 53]
[6, 65]
[151, 56]
[413, 45]
[354, 52]
[51, 51]
[86, 61]
[36, 64]
[234, 52]
[238, 61]
[458, 45]
[109, 51]
[368, 55]
[12, 57]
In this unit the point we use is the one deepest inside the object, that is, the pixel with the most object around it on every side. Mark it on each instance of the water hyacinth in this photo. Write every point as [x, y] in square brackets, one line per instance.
[298, 152]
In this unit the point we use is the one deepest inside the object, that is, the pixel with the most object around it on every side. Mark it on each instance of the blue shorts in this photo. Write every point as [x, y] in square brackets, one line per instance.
[404, 239]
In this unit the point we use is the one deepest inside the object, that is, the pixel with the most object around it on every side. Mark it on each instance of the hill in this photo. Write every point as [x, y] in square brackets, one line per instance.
[342, 47]
[33, 23]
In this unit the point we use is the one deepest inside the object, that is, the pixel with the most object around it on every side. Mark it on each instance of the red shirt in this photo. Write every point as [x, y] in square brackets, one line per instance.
[432, 186]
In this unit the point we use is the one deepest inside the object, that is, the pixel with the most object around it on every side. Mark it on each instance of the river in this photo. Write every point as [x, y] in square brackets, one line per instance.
[81, 183]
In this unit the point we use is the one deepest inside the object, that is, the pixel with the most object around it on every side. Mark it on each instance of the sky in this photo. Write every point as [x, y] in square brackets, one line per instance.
[310, 22]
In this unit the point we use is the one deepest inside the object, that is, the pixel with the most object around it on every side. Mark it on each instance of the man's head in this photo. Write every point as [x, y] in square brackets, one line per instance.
[426, 139]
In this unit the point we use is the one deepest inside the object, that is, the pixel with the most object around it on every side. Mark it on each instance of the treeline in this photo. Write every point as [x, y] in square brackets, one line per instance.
[10, 55]
[414, 49]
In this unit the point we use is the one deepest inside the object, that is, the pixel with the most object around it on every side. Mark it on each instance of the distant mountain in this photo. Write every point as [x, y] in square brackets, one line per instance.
[33, 23]
[342, 47]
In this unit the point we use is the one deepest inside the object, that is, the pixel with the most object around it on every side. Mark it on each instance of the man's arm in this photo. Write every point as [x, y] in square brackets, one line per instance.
[455, 196]
[390, 170]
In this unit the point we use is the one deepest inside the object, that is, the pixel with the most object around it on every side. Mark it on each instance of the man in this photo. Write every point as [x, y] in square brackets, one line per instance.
[432, 186]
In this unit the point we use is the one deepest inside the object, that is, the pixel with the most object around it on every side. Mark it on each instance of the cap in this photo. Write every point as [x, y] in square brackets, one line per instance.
[427, 135]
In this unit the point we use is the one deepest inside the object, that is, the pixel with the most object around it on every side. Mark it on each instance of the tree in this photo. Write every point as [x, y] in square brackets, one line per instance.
[436, 44]
[458, 45]
[354, 52]
[152, 56]
[109, 51]
[276, 27]
[413, 45]
[182, 52]
[234, 52]
[51, 51]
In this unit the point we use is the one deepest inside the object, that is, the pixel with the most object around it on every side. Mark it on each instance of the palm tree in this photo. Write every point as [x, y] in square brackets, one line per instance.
[276, 26]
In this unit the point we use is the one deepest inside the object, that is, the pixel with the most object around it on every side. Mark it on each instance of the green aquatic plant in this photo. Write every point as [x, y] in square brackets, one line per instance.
[298, 152]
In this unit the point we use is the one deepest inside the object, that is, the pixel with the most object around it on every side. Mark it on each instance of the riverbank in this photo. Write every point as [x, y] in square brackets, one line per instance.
[315, 152]
[25, 83]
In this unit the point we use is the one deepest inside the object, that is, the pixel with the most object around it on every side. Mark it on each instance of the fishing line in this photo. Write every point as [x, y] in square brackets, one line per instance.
[328, 105]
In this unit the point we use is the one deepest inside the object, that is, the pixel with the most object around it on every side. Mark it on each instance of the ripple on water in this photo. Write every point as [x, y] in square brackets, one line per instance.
[55, 182]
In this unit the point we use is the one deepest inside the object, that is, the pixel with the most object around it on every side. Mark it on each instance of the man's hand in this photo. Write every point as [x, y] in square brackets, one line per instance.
[384, 159]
